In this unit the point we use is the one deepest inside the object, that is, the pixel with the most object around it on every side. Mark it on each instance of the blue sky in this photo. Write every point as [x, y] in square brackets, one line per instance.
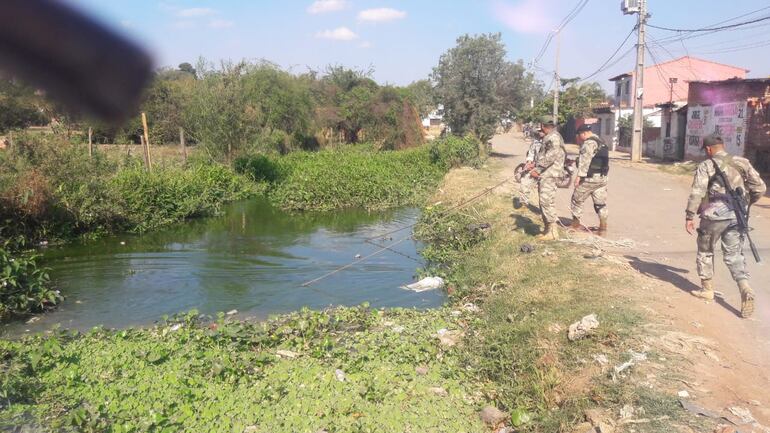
[402, 40]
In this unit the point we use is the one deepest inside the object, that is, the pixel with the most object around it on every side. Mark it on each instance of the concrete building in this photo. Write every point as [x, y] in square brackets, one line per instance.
[666, 87]
[738, 110]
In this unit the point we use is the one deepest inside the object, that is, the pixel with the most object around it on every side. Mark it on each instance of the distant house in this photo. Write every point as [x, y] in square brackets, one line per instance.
[738, 110]
[666, 87]
[435, 118]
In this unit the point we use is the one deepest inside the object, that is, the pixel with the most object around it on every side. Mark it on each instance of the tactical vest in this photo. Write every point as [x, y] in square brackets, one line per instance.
[600, 163]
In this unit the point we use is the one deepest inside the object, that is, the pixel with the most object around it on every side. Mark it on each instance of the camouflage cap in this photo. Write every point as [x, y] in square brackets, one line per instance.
[546, 120]
[712, 140]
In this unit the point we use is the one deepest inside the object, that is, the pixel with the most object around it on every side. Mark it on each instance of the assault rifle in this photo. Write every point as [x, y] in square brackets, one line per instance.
[738, 203]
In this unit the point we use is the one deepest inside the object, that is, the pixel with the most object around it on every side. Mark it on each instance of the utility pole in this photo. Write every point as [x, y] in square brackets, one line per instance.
[556, 80]
[636, 139]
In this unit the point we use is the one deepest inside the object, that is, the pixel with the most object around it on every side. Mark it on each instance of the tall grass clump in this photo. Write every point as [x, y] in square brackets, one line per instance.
[453, 151]
[349, 178]
[163, 196]
[358, 176]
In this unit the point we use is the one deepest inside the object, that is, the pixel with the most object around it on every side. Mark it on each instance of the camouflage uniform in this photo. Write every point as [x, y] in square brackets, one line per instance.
[594, 186]
[527, 182]
[717, 219]
[550, 166]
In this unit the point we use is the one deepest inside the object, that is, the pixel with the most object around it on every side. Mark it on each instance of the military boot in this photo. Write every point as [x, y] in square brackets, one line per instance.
[747, 299]
[550, 233]
[576, 223]
[602, 227]
[706, 292]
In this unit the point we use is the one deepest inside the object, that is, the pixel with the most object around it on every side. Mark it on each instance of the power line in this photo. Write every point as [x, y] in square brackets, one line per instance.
[690, 35]
[731, 26]
[566, 20]
[604, 65]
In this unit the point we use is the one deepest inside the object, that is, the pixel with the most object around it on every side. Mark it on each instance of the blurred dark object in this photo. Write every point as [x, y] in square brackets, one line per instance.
[81, 63]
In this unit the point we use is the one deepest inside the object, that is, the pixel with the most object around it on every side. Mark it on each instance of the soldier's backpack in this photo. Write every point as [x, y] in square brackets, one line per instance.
[600, 163]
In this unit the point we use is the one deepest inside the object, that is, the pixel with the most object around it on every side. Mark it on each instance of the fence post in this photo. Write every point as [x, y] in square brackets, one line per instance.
[148, 158]
[90, 142]
[183, 144]
[145, 154]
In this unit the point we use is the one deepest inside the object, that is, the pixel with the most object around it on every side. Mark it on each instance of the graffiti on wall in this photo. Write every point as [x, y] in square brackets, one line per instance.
[727, 120]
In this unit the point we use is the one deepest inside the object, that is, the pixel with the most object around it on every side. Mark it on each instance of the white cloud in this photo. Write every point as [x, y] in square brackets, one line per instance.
[381, 14]
[365, 44]
[127, 24]
[221, 24]
[526, 16]
[195, 12]
[321, 6]
[183, 24]
[338, 34]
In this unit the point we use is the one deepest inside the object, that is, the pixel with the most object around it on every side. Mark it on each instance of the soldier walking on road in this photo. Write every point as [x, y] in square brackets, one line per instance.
[591, 180]
[548, 169]
[718, 222]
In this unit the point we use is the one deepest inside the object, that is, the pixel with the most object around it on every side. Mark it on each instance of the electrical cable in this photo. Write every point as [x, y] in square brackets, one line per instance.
[730, 26]
[566, 20]
[602, 67]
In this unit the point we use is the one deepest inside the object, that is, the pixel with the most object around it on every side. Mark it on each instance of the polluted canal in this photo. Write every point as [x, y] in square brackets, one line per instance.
[254, 259]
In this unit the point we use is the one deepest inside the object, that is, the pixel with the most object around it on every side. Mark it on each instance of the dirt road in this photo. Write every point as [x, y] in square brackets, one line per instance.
[647, 206]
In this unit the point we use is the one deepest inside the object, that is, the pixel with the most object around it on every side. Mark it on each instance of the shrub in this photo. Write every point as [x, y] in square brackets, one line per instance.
[166, 195]
[258, 168]
[453, 151]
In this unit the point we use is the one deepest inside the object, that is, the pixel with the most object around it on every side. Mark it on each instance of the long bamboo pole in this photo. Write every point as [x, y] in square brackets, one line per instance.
[146, 142]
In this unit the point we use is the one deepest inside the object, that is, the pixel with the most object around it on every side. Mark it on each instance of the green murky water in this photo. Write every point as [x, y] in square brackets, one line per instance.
[254, 259]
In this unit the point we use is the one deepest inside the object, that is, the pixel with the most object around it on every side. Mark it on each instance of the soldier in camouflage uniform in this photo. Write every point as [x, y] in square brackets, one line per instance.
[717, 219]
[591, 179]
[548, 169]
[526, 182]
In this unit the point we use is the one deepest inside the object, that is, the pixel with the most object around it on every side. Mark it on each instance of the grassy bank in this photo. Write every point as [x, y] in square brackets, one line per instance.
[502, 341]
[50, 189]
[517, 348]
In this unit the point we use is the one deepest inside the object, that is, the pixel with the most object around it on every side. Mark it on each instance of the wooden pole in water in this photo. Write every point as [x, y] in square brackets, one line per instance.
[182, 144]
[146, 142]
[90, 142]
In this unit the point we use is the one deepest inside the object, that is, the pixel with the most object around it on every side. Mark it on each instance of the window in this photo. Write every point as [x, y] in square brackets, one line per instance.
[599, 126]
[617, 89]
[628, 87]
[608, 127]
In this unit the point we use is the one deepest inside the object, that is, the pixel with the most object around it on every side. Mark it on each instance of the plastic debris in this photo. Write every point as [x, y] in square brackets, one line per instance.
[339, 374]
[427, 283]
[583, 327]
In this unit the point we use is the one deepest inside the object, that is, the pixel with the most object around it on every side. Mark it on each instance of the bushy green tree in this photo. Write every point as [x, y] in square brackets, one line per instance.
[479, 87]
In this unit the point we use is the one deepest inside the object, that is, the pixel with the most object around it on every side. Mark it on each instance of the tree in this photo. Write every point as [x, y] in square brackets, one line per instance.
[479, 87]
[575, 101]
[186, 67]
[422, 96]
[19, 106]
